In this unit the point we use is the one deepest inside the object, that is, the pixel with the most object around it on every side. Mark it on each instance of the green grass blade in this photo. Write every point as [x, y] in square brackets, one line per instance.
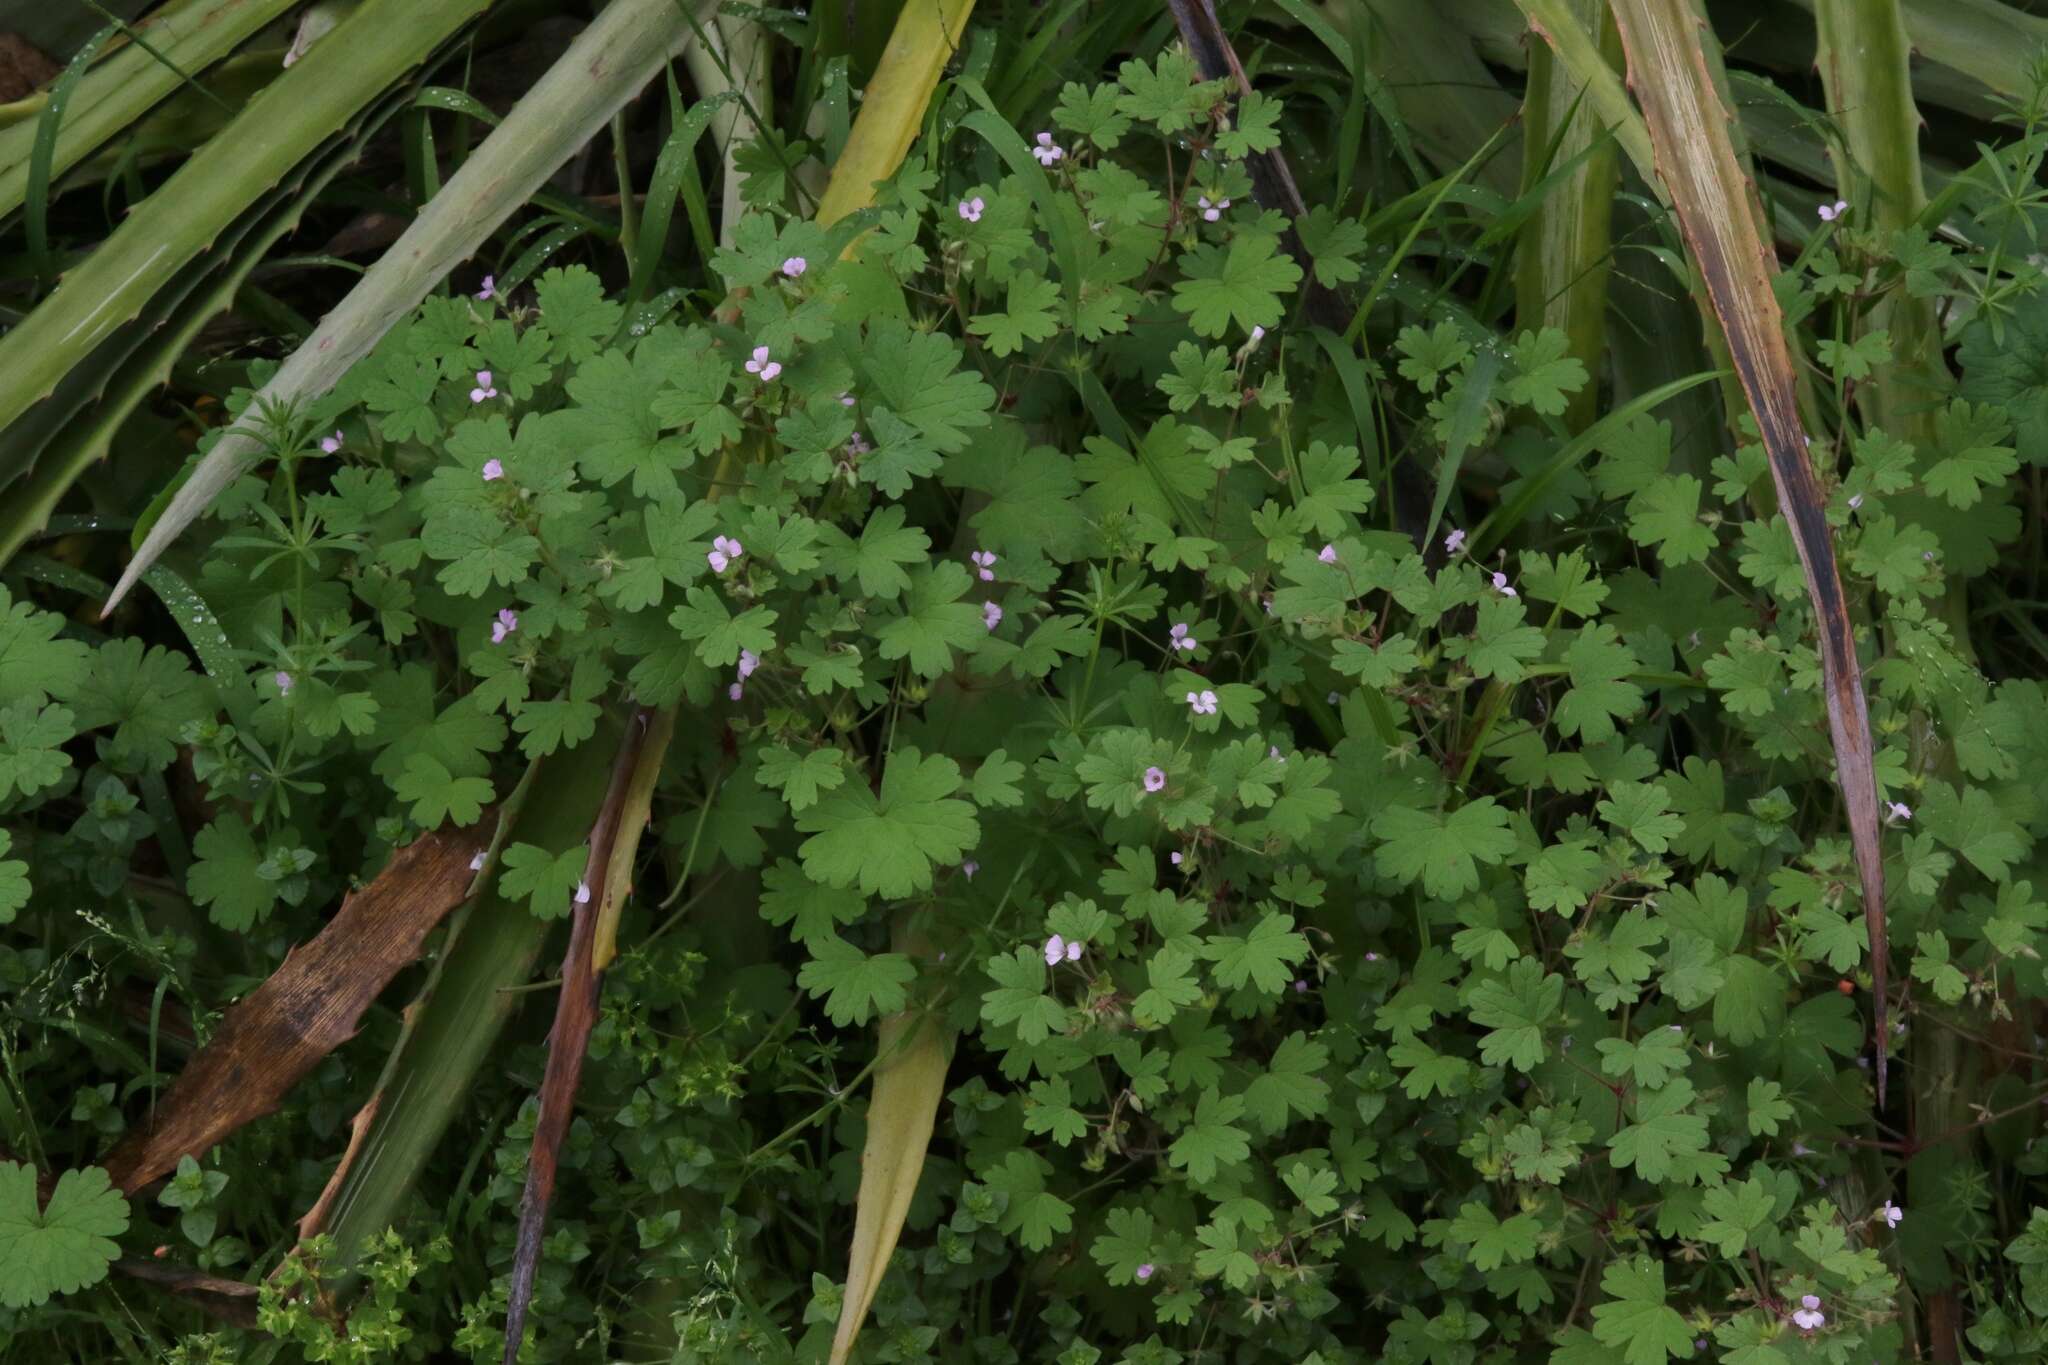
[627, 45]
[41, 156]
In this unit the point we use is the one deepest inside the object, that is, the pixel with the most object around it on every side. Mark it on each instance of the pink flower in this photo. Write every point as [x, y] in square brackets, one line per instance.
[749, 661]
[724, 550]
[1300, 986]
[763, 366]
[1258, 334]
[985, 564]
[1155, 779]
[1328, 554]
[494, 470]
[583, 893]
[970, 209]
[490, 289]
[507, 622]
[484, 388]
[283, 681]
[1203, 702]
[1145, 1272]
[1174, 857]
[1899, 810]
[1808, 1316]
[991, 615]
[1180, 637]
[969, 868]
[1455, 541]
[1047, 151]
[1830, 212]
[1211, 212]
[476, 864]
[845, 400]
[1500, 585]
[795, 266]
[330, 444]
[736, 691]
[1273, 752]
[1058, 949]
[858, 446]
[1891, 1213]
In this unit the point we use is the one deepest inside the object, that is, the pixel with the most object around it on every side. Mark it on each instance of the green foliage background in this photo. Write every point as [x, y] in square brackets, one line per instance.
[1458, 954]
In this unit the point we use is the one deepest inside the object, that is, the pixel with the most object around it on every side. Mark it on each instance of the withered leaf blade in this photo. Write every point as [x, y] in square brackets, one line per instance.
[308, 1007]
[576, 1007]
[1689, 135]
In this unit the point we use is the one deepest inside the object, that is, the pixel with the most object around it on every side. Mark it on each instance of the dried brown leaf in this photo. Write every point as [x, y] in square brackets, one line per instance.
[309, 1006]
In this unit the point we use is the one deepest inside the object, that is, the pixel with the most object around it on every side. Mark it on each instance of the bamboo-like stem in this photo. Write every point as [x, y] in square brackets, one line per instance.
[1863, 56]
[1562, 265]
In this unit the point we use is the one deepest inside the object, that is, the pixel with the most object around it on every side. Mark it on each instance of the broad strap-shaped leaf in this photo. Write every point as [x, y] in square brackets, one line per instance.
[1689, 134]
[627, 44]
[910, 1080]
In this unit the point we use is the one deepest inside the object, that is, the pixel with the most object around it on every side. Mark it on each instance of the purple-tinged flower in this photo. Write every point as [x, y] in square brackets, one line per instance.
[970, 209]
[1273, 752]
[736, 691]
[845, 400]
[749, 661]
[1211, 212]
[724, 550]
[484, 388]
[984, 564]
[283, 681]
[1258, 334]
[330, 444]
[858, 446]
[1500, 585]
[1327, 555]
[1203, 703]
[494, 470]
[583, 893]
[1891, 1213]
[1058, 950]
[1174, 857]
[1455, 541]
[1047, 151]
[1899, 810]
[1830, 212]
[1372, 957]
[476, 864]
[507, 622]
[795, 266]
[1300, 986]
[1180, 637]
[1855, 501]
[1145, 1272]
[1155, 779]
[760, 364]
[1808, 1317]
[967, 870]
[490, 289]
[991, 615]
